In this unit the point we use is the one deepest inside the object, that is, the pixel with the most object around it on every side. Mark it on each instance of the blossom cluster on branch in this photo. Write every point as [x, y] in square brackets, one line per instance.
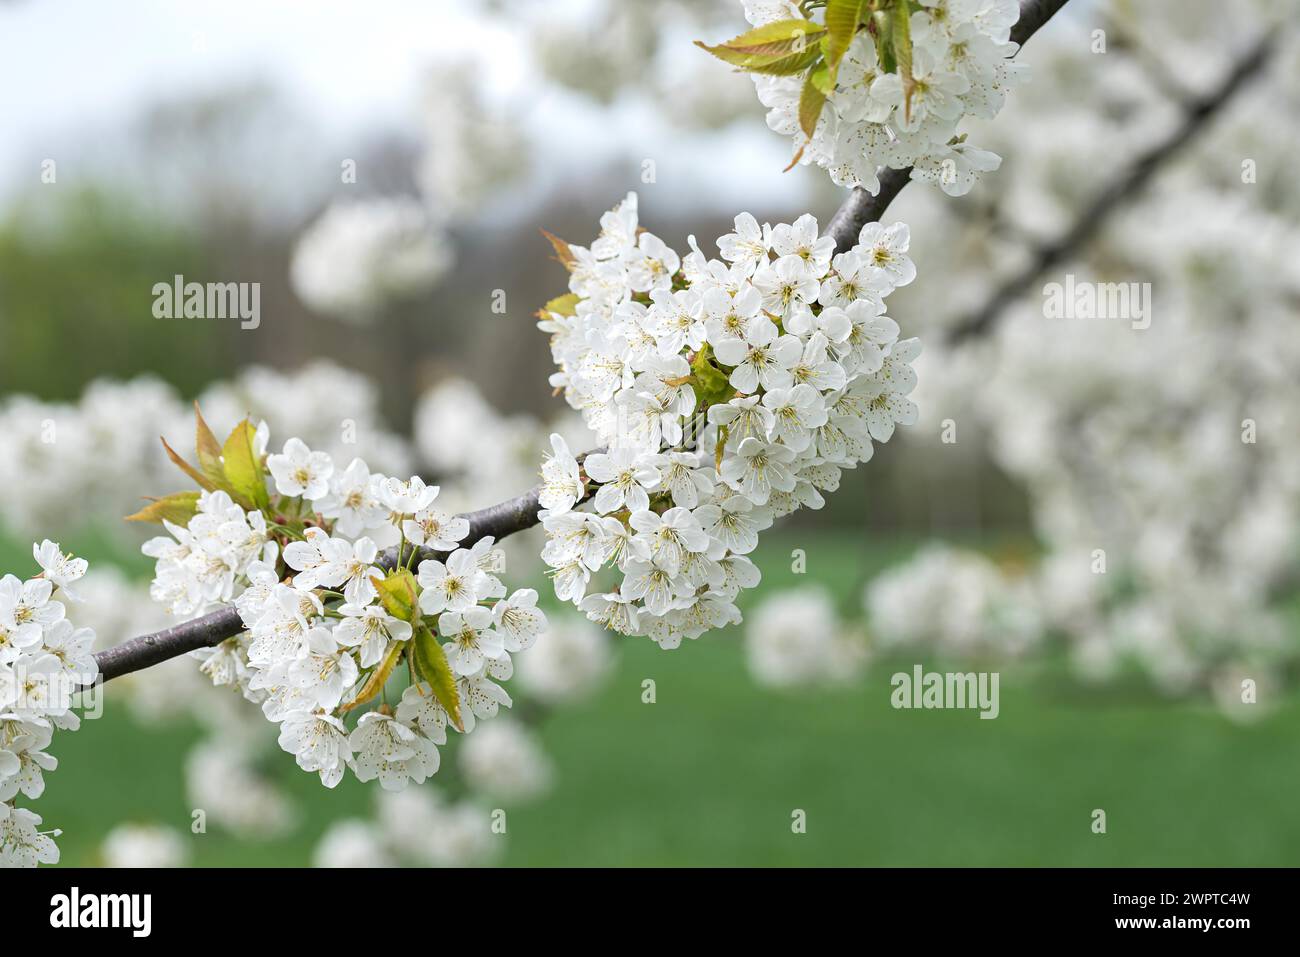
[882, 84]
[287, 538]
[44, 660]
[728, 392]
[725, 393]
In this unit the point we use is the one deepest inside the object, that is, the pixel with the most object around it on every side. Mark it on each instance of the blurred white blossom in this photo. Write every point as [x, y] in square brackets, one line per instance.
[351, 843]
[504, 760]
[795, 639]
[144, 845]
[361, 254]
[572, 662]
[953, 601]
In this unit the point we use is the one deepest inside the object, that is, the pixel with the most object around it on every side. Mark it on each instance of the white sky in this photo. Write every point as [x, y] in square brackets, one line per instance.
[69, 65]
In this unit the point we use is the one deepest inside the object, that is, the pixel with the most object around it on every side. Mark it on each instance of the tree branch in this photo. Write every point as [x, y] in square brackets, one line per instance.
[1197, 113]
[495, 521]
[498, 521]
[518, 513]
[149, 650]
[861, 207]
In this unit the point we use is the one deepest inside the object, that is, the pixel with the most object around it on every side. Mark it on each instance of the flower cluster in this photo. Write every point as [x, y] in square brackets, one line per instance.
[1167, 530]
[954, 601]
[418, 827]
[144, 845]
[292, 540]
[727, 393]
[70, 465]
[359, 255]
[44, 661]
[795, 639]
[961, 64]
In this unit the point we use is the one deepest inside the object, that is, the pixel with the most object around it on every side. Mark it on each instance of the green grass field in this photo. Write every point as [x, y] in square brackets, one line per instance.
[711, 773]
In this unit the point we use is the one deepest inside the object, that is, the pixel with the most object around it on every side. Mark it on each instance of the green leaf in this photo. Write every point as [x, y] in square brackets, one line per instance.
[811, 101]
[842, 20]
[789, 66]
[711, 385]
[902, 45]
[199, 478]
[431, 666]
[208, 450]
[378, 678]
[398, 594]
[177, 508]
[566, 305]
[786, 65]
[822, 79]
[245, 475]
[884, 41]
[775, 39]
[782, 48]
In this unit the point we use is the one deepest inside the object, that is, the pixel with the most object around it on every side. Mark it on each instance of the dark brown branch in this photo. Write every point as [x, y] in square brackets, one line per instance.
[1033, 14]
[861, 207]
[1197, 113]
[149, 650]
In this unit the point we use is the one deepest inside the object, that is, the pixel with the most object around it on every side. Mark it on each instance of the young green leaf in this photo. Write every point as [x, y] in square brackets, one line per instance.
[378, 678]
[711, 385]
[884, 34]
[177, 508]
[781, 48]
[242, 467]
[431, 666]
[566, 305]
[398, 595]
[562, 251]
[208, 450]
[790, 65]
[200, 479]
[822, 78]
[842, 20]
[902, 45]
[811, 101]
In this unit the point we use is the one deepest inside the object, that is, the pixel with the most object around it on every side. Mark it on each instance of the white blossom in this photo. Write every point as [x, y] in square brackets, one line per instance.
[384, 748]
[738, 395]
[298, 471]
[319, 742]
[961, 64]
[144, 845]
[59, 568]
[471, 639]
[454, 586]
